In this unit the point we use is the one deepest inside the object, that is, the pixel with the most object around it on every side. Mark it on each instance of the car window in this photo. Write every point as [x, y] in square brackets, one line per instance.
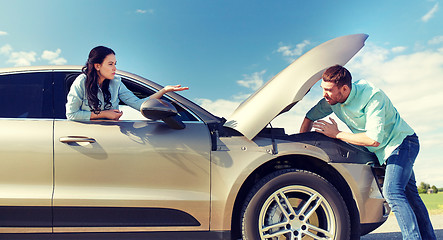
[128, 113]
[143, 92]
[26, 95]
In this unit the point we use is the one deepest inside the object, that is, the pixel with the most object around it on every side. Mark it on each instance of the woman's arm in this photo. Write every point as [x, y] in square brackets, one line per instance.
[128, 97]
[167, 89]
[112, 114]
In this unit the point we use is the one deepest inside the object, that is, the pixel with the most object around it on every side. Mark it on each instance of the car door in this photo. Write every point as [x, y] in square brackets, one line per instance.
[26, 128]
[130, 175]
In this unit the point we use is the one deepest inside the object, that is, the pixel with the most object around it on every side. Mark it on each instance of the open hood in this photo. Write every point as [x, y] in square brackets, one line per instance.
[289, 86]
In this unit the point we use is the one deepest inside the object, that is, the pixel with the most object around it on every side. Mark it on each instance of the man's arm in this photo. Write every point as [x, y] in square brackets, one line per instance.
[331, 130]
[360, 139]
[320, 110]
[306, 125]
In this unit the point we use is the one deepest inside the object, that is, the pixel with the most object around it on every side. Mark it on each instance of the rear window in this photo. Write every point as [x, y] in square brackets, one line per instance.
[26, 95]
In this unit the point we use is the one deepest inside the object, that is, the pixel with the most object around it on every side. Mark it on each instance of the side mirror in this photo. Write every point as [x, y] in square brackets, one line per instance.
[158, 109]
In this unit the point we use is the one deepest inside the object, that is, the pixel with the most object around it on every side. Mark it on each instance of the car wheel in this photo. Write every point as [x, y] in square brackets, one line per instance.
[294, 204]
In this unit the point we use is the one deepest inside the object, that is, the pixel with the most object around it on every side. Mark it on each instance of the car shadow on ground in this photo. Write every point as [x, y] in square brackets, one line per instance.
[395, 235]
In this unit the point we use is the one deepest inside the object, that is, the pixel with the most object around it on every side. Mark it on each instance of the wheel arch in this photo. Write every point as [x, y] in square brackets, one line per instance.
[302, 162]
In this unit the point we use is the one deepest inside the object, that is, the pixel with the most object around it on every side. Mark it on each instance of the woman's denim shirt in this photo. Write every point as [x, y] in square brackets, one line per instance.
[77, 107]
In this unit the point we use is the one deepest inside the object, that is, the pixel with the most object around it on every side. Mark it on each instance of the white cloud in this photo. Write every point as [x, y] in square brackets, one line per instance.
[225, 107]
[292, 53]
[398, 49]
[53, 57]
[406, 77]
[143, 11]
[6, 49]
[48, 55]
[436, 40]
[430, 14]
[253, 81]
[219, 107]
[428, 170]
[3, 33]
[241, 96]
[22, 58]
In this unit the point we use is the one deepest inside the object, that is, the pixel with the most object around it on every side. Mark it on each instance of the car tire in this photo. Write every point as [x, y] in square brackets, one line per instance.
[294, 204]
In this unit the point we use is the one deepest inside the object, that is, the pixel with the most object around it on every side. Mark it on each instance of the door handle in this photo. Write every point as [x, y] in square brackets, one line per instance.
[74, 139]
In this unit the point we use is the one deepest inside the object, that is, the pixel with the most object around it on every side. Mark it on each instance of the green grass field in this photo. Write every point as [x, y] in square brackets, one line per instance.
[433, 202]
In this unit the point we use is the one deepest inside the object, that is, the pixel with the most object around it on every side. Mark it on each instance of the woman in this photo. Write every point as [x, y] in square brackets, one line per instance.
[96, 93]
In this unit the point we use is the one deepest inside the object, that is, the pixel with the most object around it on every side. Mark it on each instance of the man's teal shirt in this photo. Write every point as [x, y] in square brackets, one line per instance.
[368, 110]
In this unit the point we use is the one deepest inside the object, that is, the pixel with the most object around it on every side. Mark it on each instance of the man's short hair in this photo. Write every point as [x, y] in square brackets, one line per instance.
[338, 75]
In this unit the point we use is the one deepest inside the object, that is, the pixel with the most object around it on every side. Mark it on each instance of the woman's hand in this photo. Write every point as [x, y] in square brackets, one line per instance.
[112, 114]
[173, 88]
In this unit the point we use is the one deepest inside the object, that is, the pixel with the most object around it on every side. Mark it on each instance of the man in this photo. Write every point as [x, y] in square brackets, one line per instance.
[375, 124]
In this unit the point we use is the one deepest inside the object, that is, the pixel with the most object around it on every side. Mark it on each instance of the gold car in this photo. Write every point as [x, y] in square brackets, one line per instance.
[181, 172]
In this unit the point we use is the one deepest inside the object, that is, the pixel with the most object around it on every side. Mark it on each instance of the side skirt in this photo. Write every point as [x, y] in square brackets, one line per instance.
[225, 235]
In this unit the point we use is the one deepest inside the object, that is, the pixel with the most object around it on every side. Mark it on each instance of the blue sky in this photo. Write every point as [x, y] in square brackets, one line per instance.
[224, 50]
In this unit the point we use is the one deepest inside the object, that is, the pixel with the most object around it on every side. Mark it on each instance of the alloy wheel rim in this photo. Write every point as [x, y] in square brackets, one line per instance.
[296, 212]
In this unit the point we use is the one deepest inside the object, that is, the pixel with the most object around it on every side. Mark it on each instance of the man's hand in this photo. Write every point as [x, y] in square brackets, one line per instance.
[331, 130]
[328, 129]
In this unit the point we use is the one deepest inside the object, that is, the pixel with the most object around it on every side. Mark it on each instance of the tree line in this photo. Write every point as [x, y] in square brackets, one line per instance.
[425, 188]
